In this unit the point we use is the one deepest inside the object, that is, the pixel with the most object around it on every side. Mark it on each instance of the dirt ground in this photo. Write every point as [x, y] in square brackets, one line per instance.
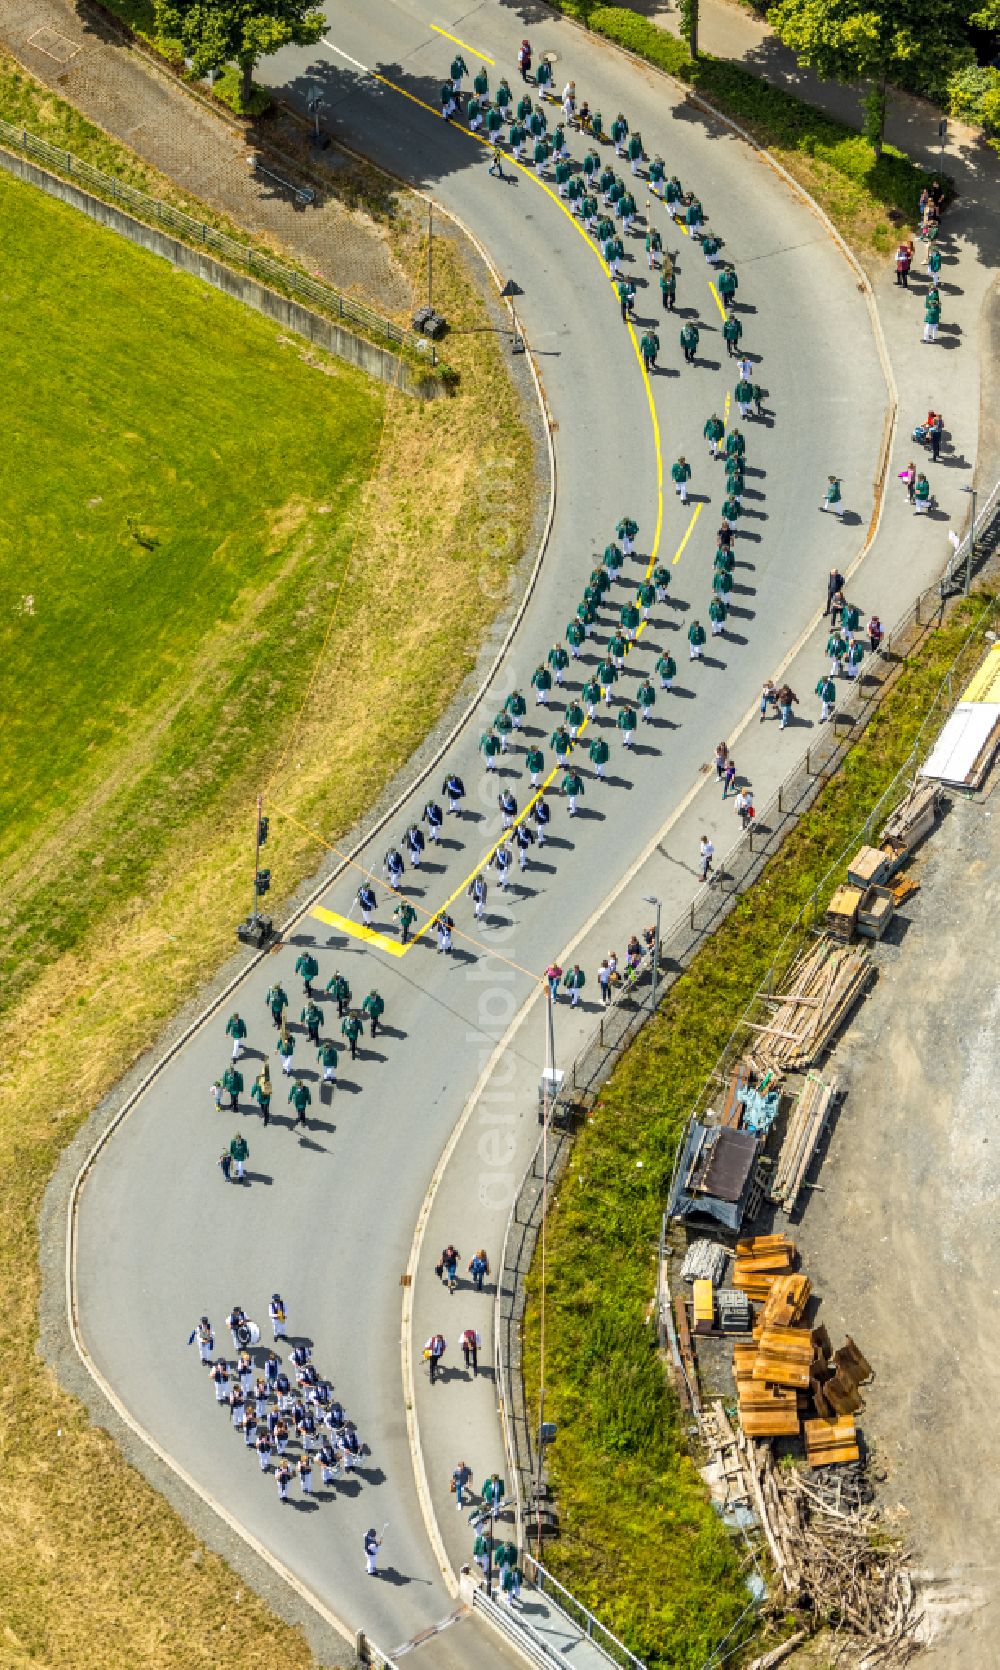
[900, 1236]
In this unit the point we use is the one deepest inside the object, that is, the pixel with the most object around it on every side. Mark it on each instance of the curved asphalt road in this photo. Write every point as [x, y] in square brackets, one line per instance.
[328, 1217]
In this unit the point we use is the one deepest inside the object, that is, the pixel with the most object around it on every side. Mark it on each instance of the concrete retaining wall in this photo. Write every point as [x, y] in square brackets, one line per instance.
[291, 315]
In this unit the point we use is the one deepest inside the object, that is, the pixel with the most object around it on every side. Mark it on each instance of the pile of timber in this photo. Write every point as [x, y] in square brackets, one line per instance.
[913, 818]
[790, 1371]
[837, 1563]
[805, 1127]
[822, 988]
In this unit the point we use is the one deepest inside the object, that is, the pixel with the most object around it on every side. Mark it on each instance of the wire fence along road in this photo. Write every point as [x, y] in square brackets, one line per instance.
[153, 211]
[624, 1018]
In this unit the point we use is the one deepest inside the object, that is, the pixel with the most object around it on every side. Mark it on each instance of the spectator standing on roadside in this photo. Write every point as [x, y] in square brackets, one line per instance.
[706, 853]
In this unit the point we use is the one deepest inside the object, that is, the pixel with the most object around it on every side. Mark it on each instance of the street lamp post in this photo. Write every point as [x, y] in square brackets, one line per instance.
[971, 557]
[649, 899]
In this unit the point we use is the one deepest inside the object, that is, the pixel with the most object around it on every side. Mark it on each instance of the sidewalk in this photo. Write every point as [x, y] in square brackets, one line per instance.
[73, 51]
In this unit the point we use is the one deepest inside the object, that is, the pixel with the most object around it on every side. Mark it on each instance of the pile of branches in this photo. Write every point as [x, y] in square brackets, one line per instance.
[835, 1559]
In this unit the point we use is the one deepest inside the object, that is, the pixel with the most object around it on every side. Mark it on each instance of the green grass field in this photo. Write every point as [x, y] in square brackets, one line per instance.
[179, 503]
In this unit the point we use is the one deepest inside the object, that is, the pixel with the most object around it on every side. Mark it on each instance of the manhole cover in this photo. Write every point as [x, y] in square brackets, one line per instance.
[55, 45]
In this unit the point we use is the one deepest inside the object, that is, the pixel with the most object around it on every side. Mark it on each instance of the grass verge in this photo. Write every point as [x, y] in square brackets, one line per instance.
[867, 199]
[640, 1544]
[444, 506]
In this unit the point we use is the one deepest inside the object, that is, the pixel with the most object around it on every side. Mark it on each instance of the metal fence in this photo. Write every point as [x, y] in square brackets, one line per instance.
[623, 1020]
[154, 212]
[579, 1616]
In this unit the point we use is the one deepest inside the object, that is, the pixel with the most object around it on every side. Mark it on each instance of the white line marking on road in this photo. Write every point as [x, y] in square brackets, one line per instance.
[342, 54]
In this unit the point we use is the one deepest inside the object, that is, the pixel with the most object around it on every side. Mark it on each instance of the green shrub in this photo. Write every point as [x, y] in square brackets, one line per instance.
[990, 109]
[972, 92]
[229, 88]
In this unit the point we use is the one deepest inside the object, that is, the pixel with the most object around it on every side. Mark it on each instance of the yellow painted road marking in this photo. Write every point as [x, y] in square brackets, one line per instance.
[725, 409]
[530, 174]
[463, 44]
[718, 298]
[690, 530]
[357, 930]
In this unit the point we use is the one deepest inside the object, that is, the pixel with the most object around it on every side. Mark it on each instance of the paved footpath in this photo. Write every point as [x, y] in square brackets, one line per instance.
[329, 1215]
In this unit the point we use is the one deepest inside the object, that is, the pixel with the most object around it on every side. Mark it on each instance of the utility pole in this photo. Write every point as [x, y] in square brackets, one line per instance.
[430, 254]
[971, 554]
[650, 900]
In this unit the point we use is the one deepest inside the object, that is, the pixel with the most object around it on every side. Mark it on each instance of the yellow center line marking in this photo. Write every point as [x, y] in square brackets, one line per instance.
[690, 530]
[725, 409]
[357, 930]
[530, 174]
[463, 44]
[718, 298]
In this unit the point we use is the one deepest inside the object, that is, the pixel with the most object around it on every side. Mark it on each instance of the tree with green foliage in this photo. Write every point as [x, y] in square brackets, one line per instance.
[214, 33]
[849, 40]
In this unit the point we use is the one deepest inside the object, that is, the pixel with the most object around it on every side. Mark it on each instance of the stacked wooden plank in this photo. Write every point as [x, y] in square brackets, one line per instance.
[868, 868]
[805, 1127]
[828, 1442]
[842, 912]
[822, 988]
[758, 1261]
[786, 1303]
[784, 1357]
[914, 817]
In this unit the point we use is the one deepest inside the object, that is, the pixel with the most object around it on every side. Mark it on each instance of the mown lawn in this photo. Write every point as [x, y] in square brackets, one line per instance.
[180, 500]
[640, 1543]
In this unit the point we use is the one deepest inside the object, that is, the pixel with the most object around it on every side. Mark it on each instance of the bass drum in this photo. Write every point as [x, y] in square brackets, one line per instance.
[247, 1334]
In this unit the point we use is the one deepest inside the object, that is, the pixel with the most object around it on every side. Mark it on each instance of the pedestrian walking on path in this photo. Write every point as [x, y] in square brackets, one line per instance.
[446, 1268]
[921, 495]
[366, 903]
[932, 314]
[826, 690]
[666, 668]
[542, 815]
[202, 1332]
[260, 1092]
[434, 1351]
[627, 723]
[508, 808]
[572, 786]
[646, 697]
[374, 1007]
[558, 660]
[283, 1478]
[728, 777]
[232, 1081]
[534, 761]
[902, 262]
[461, 1479]
[373, 1542]
[454, 791]
[414, 841]
[649, 345]
[541, 680]
[277, 1001]
[696, 640]
[501, 863]
[311, 1018]
[471, 1343]
[239, 1153]
[350, 1026]
[706, 854]
[524, 837]
[690, 338]
[680, 475]
[599, 753]
[479, 1268]
[340, 991]
[300, 1097]
[832, 499]
[713, 432]
[875, 634]
[553, 975]
[768, 698]
[328, 1056]
[732, 330]
[236, 1029]
[517, 707]
[743, 395]
[626, 531]
[744, 807]
[489, 747]
[477, 893]
[787, 699]
[308, 967]
[718, 609]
